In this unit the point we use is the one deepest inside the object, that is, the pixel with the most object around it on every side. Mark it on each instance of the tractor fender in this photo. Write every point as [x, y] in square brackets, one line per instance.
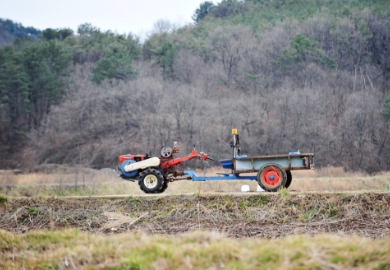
[127, 175]
[141, 165]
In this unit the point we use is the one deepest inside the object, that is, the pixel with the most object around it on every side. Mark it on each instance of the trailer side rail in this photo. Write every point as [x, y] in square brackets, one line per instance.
[304, 161]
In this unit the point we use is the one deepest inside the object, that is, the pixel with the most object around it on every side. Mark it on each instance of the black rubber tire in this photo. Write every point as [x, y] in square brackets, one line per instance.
[164, 186]
[289, 179]
[151, 180]
[264, 180]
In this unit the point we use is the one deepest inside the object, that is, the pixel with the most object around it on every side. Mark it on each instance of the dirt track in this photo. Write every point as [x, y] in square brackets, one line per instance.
[260, 215]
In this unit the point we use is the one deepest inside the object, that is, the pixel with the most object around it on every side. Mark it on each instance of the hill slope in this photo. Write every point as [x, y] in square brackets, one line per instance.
[289, 75]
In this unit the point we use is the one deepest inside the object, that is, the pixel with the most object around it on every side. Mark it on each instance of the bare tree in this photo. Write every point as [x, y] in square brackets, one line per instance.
[228, 45]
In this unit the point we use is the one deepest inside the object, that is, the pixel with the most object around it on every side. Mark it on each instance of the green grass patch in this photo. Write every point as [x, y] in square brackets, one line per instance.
[198, 250]
[3, 199]
[333, 212]
[308, 215]
[283, 193]
[33, 211]
[258, 200]
[338, 260]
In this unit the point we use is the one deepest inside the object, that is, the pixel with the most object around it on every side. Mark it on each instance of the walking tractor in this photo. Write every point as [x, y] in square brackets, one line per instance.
[273, 172]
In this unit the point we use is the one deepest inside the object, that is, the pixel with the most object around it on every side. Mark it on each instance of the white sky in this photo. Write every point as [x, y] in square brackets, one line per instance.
[123, 16]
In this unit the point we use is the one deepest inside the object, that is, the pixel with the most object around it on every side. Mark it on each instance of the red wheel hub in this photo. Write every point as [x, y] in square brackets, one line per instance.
[271, 177]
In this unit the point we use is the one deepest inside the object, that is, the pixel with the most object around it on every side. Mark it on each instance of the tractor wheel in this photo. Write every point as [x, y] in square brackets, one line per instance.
[164, 186]
[151, 181]
[271, 177]
[289, 179]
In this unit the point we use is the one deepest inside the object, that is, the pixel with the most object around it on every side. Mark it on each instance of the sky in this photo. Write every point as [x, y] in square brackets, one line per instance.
[122, 16]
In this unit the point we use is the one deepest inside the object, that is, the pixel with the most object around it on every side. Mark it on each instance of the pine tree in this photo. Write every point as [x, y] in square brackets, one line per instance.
[13, 91]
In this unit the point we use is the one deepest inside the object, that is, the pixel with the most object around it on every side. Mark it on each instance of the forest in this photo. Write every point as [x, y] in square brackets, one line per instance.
[9, 30]
[290, 75]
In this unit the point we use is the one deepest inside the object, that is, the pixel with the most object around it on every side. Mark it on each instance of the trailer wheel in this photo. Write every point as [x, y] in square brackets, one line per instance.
[151, 181]
[271, 177]
[289, 179]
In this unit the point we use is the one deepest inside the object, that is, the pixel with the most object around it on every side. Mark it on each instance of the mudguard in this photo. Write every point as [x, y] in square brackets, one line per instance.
[127, 175]
[141, 165]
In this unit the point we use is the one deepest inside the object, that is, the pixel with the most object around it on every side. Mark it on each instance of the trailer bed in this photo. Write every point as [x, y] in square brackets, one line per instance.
[304, 161]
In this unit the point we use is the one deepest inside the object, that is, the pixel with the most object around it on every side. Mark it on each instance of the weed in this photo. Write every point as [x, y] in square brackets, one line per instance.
[243, 204]
[297, 256]
[384, 266]
[33, 211]
[333, 212]
[269, 255]
[309, 214]
[386, 186]
[347, 198]
[337, 260]
[283, 193]
[250, 219]
[229, 205]
[283, 220]
[259, 200]
[3, 199]
[61, 193]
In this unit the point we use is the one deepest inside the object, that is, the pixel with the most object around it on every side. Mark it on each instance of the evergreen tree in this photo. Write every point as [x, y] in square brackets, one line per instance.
[202, 11]
[166, 57]
[60, 34]
[13, 91]
[46, 64]
[87, 29]
[115, 64]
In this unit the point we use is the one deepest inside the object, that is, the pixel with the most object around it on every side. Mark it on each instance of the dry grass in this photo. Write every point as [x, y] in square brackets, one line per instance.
[336, 179]
[308, 231]
[270, 215]
[107, 182]
[281, 218]
[72, 249]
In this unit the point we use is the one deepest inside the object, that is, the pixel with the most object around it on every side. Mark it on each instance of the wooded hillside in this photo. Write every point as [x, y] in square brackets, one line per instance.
[307, 75]
[10, 30]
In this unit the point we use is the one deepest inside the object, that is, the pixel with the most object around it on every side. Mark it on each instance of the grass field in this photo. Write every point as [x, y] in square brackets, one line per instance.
[275, 231]
[327, 219]
[107, 182]
[72, 249]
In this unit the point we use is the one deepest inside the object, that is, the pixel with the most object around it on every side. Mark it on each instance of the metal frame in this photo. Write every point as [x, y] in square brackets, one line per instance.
[234, 175]
[309, 158]
[227, 176]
